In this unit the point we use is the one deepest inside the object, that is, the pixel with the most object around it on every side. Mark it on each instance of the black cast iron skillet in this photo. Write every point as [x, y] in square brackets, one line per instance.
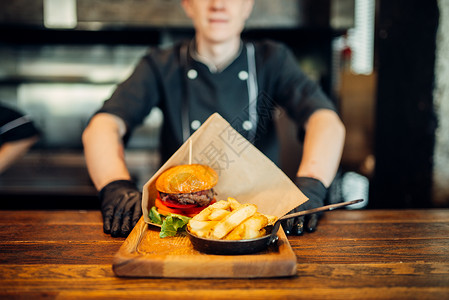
[238, 247]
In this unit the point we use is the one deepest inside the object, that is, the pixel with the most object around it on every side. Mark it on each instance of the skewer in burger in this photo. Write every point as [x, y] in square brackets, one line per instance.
[186, 189]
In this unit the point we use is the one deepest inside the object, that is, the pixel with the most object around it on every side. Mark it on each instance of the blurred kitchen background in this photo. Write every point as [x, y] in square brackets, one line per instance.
[384, 63]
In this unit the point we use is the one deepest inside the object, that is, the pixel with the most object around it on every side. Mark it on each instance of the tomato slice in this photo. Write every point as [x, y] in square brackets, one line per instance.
[163, 212]
[197, 209]
[160, 205]
[193, 210]
[189, 212]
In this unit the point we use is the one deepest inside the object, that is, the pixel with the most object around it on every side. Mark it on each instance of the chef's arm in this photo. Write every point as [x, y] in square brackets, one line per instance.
[104, 150]
[105, 157]
[12, 151]
[323, 146]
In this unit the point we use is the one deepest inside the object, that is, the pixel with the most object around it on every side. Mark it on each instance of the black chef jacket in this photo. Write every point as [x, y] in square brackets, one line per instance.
[15, 126]
[174, 81]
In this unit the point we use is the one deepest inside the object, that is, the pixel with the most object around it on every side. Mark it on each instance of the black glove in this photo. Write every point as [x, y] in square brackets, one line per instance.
[316, 192]
[121, 207]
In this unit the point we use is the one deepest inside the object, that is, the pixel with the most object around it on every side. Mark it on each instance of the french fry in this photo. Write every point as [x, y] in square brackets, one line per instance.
[253, 235]
[248, 229]
[271, 220]
[234, 204]
[204, 214]
[254, 226]
[218, 214]
[236, 234]
[262, 232]
[257, 222]
[201, 228]
[232, 220]
[200, 225]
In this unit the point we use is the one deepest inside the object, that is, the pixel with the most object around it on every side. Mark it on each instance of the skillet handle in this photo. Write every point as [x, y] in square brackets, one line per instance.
[275, 229]
[318, 209]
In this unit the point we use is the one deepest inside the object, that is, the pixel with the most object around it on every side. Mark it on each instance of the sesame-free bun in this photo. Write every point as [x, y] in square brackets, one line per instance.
[187, 179]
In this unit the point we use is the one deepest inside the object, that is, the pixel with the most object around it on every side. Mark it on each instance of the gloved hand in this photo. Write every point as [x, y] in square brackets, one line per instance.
[316, 192]
[120, 206]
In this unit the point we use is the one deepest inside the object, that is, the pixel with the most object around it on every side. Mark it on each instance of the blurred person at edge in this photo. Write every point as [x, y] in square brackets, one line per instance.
[17, 135]
[213, 73]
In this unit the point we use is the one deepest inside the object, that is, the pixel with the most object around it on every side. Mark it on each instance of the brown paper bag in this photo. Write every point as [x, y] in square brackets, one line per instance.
[244, 172]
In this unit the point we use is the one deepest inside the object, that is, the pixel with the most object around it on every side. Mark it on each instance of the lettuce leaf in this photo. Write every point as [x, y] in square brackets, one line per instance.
[171, 223]
[155, 216]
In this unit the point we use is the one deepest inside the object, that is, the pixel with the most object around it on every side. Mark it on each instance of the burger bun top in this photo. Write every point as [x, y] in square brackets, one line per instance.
[187, 179]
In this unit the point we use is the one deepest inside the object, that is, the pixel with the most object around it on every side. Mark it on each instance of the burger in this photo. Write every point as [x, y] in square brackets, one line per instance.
[186, 189]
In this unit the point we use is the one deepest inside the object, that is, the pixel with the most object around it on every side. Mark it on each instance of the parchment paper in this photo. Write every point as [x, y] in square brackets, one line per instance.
[244, 172]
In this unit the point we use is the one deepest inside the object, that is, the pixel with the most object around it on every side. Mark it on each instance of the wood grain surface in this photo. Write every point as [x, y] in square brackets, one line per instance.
[366, 254]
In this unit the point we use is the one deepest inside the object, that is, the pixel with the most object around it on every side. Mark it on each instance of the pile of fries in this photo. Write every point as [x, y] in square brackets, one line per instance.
[230, 220]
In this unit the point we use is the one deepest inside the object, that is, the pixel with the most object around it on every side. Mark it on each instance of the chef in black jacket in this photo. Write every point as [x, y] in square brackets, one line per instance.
[214, 72]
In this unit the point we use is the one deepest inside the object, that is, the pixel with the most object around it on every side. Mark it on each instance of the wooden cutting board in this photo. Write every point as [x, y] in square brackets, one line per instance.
[145, 254]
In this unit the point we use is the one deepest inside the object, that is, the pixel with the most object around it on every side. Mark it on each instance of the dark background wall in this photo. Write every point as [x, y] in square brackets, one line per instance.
[405, 120]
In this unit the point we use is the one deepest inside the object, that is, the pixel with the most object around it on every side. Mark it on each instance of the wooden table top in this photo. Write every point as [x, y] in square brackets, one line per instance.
[359, 254]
